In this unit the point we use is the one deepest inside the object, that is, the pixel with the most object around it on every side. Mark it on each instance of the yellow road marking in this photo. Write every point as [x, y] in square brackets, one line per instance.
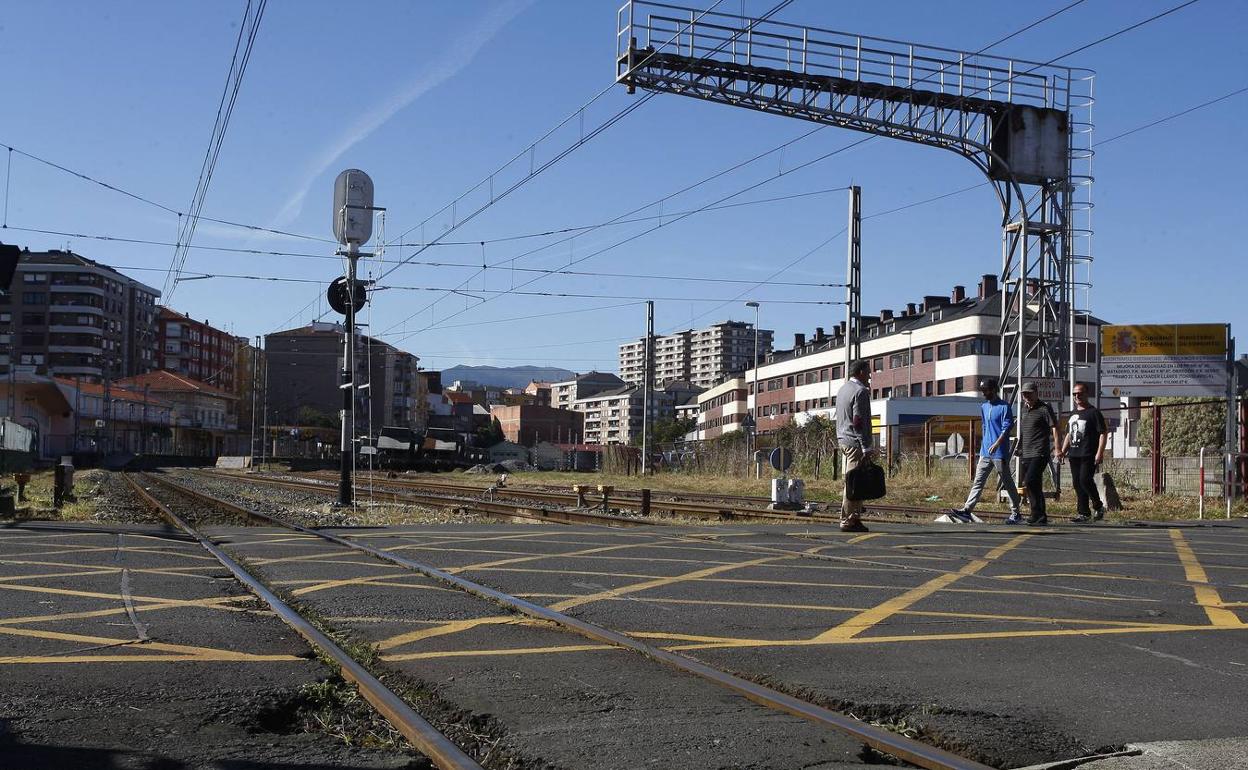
[865, 620]
[383, 579]
[488, 653]
[454, 627]
[201, 653]
[861, 538]
[214, 603]
[1206, 595]
[700, 574]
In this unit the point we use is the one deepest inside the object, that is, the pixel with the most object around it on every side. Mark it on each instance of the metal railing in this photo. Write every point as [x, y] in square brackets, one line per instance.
[816, 51]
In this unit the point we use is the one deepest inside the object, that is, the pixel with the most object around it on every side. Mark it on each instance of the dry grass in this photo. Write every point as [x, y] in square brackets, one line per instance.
[943, 486]
[38, 503]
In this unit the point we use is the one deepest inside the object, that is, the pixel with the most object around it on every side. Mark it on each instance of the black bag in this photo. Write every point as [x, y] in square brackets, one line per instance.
[866, 482]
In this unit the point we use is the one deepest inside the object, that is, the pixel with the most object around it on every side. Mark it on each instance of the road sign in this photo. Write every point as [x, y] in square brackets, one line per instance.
[1164, 360]
[781, 458]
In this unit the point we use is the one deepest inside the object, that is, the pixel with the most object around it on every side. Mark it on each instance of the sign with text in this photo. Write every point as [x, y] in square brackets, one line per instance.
[1164, 360]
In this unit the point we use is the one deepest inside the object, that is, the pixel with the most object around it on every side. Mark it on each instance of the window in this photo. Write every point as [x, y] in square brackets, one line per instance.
[823, 375]
[876, 394]
[35, 278]
[972, 347]
[959, 384]
[898, 360]
[877, 365]
[34, 298]
[6, 317]
[1085, 352]
[937, 315]
[928, 389]
[916, 390]
[788, 381]
[940, 387]
[892, 327]
[942, 352]
[838, 371]
[32, 319]
[928, 355]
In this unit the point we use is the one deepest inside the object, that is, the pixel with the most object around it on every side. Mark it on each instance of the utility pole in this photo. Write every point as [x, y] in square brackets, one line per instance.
[750, 425]
[853, 280]
[348, 382]
[265, 400]
[647, 389]
[255, 381]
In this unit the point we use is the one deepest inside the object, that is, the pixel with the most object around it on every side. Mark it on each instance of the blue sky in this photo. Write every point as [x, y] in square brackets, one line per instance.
[429, 98]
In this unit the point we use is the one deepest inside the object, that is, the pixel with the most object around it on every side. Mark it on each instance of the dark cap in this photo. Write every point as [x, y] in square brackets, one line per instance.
[1028, 387]
[988, 383]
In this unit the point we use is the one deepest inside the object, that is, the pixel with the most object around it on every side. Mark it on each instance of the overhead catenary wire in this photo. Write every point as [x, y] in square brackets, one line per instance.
[248, 28]
[985, 48]
[148, 201]
[584, 138]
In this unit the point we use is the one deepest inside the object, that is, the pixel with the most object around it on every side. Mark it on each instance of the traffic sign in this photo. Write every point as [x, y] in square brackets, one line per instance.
[781, 458]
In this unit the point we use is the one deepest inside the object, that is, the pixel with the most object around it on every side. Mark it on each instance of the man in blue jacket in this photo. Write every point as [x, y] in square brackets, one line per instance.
[994, 454]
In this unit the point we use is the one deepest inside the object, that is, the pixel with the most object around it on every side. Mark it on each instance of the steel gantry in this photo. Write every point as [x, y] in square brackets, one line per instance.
[1026, 125]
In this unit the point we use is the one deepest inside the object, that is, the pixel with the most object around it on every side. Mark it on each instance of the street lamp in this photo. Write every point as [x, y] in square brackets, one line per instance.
[751, 424]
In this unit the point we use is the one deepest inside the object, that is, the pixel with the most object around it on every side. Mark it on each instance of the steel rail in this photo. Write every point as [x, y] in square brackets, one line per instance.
[497, 509]
[907, 749]
[703, 505]
[412, 726]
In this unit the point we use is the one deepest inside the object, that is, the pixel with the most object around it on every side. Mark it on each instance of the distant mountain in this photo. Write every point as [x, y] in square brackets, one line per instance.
[505, 376]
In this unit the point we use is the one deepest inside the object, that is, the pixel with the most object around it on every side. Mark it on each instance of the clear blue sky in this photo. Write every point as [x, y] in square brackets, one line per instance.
[430, 97]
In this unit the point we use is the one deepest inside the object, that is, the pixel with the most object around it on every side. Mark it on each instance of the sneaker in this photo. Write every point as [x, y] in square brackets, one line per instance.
[1014, 518]
[854, 526]
[1080, 519]
[1098, 514]
[1038, 522]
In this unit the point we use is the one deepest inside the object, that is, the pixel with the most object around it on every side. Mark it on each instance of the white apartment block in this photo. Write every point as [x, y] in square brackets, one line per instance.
[702, 356]
[564, 394]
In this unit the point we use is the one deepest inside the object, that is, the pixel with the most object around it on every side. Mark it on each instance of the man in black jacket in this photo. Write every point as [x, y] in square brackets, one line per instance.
[1038, 440]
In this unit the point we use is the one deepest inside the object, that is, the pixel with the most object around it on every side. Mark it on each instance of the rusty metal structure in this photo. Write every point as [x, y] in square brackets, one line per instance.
[1026, 125]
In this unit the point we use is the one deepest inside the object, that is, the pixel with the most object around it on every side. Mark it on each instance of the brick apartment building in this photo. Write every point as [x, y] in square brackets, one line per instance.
[196, 350]
[701, 356]
[529, 424]
[939, 347]
[70, 316]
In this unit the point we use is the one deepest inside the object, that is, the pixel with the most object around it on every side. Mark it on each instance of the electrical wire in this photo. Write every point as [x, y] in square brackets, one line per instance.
[225, 110]
[161, 206]
[581, 142]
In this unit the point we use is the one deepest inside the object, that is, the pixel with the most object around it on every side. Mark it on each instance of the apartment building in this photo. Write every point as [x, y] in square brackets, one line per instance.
[196, 350]
[305, 365]
[722, 409]
[71, 316]
[702, 356]
[615, 416]
[941, 346]
[530, 424]
[563, 395]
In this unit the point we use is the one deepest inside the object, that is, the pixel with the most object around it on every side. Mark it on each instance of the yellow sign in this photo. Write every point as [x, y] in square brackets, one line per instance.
[1163, 340]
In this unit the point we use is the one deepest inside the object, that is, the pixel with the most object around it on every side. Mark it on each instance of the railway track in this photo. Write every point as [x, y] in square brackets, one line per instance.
[693, 505]
[500, 509]
[428, 740]
[419, 732]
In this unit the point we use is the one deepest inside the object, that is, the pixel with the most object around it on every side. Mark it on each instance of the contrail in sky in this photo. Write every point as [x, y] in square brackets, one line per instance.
[457, 56]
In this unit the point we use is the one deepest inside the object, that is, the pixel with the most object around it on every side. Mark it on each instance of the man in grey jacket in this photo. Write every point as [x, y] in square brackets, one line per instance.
[853, 433]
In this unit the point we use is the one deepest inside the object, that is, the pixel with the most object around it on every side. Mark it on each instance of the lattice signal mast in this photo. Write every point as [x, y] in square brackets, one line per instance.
[1026, 125]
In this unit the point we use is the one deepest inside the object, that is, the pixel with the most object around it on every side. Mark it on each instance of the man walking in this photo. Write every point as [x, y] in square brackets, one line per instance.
[1036, 444]
[853, 433]
[994, 454]
[1085, 446]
